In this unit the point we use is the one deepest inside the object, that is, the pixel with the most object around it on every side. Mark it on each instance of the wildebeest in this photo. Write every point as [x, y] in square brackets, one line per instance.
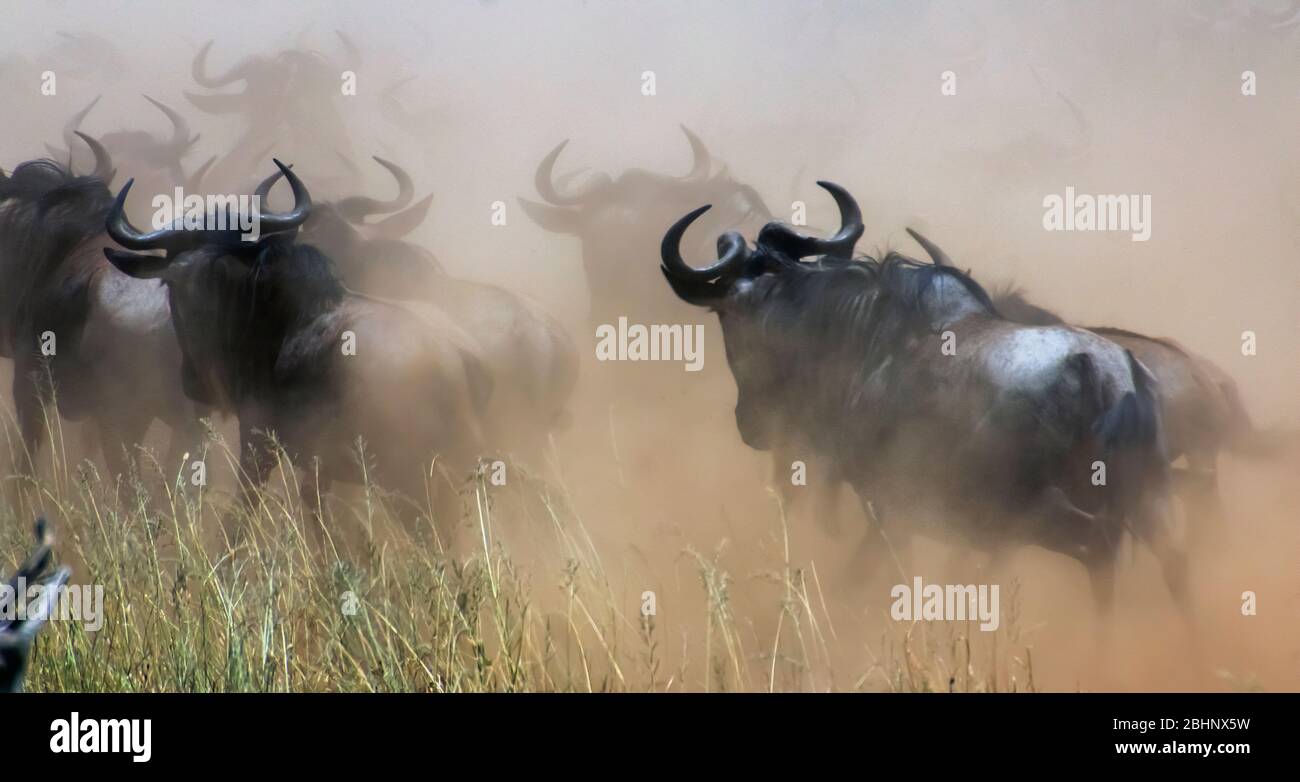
[264, 328]
[937, 410]
[533, 359]
[138, 150]
[613, 217]
[17, 634]
[290, 97]
[77, 330]
[1200, 406]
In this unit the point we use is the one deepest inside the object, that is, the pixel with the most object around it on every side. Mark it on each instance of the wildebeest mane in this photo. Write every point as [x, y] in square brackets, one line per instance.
[45, 213]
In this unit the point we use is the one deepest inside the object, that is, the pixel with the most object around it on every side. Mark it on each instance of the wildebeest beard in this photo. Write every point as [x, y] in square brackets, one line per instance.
[241, 301]
[45, 213]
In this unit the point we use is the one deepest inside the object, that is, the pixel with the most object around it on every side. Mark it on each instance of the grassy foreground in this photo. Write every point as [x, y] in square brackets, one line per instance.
[202, 595]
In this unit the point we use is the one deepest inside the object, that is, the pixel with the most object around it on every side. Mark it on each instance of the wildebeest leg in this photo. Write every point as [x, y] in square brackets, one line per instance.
[312, 488]
[186, 438]
[119, 433]
[881, 543]
[1198, 488]
[1153, 528]
[31, 416]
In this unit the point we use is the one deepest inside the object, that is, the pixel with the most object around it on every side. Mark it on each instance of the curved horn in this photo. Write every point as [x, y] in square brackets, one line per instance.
[350, 49]
[181, 138]
[400, 224]
[545, 177]
[194, 182]
[733, 252]
[795, 244]
[358, 208]
[1085, 129]
[273, 222]
[199, 70]
[127, 235]
[103, 162]
[74, 122]
[937, 255]
[701, 161]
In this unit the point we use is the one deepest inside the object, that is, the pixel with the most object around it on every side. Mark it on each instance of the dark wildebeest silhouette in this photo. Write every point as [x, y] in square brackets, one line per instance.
[263, 327]
[79, 331]
[19, 633]
[1201, 409]
[937, 410]
[533, 359]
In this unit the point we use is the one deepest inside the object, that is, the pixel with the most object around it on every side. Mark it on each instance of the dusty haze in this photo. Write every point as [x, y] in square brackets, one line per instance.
[785, 94]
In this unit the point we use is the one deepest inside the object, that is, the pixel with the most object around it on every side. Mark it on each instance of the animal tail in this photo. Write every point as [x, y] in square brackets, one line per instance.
[1245, 440]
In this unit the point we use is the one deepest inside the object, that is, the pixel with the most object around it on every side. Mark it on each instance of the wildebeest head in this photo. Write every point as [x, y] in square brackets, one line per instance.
[18, 634]
[229, 297]
[140, 150]
[611, 215]
[784, 319]
[372, 257]
[289, 97]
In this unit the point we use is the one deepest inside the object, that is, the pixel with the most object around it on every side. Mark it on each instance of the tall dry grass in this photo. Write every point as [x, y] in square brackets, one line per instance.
[205, 594]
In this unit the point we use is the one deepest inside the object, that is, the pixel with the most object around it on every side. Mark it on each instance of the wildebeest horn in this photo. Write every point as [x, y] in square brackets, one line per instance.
[731, 245]
[263, 189]
[199, 70]
[121, 231]
[796, 245]
[70, 127]
[939, 257]
[544, 179]
[358, 208]
[350, 48]
[181, 138]
[1085, 129]
[701, 161]
[194, 182]
[103, 162]
[176, 240]
[274, 221]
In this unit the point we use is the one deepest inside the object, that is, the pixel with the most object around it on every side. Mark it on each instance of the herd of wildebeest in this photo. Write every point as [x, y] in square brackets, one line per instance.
[946, 409]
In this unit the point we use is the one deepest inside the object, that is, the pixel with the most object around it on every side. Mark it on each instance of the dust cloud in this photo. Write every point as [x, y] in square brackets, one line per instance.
[1106, 97]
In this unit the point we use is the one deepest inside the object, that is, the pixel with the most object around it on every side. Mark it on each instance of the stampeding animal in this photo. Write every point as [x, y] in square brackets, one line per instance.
[263, 327]
[996, 443]
[1201, 408]
[534, 361]
[17, 634]
[610, 215]
[79, 331]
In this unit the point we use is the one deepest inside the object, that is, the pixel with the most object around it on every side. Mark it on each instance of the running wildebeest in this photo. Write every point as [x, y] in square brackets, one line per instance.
[612, 215]
[17, 634]
[288, 98]
[532, 357]
[264, 328]
[937, 410]
[80, 333]
[1201, 410]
